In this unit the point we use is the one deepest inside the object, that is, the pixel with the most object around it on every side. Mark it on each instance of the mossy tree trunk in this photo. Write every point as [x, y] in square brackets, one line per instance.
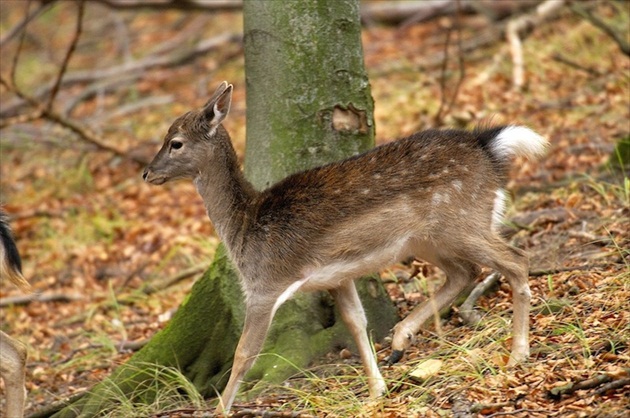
[308, 103]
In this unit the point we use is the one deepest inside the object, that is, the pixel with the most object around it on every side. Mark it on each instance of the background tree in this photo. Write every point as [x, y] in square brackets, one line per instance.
[308, 103]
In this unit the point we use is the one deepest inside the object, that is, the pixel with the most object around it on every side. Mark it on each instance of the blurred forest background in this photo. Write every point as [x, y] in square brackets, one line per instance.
[88, 92]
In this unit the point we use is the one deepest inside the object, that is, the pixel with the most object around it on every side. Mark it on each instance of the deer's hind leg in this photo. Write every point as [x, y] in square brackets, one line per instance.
[513, 264]
[12, 365]
[459, 273]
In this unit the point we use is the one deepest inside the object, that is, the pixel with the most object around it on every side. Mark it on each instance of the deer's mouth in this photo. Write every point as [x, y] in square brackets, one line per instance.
[153, 178]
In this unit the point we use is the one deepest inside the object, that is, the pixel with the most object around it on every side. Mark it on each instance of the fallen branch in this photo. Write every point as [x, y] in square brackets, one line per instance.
[591, 383]
[462, 408]
[587, 267]
[261, 412]
[467, 309]
[214, 5]
[51, 409]
[170, 281]
[38, 297]
[518, 28]
[412, 12]
[616, 384]
[519, 411]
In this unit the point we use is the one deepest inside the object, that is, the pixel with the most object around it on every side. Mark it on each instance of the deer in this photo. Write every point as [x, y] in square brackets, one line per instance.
[12, 352]
[438, 195]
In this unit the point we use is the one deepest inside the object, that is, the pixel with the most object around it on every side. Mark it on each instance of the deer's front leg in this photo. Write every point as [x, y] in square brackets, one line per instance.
[353, 315]
[257, 320]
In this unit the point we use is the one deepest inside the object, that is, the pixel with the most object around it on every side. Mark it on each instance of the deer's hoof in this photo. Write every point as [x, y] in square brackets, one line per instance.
[395, 356]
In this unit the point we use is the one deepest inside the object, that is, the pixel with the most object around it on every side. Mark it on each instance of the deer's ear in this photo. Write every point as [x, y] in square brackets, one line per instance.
[218, 106]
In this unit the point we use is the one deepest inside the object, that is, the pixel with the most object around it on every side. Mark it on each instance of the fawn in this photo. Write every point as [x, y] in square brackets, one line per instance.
[437, 195]
[12, 352]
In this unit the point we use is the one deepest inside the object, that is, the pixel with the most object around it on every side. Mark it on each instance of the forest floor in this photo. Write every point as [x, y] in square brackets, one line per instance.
[117, 257]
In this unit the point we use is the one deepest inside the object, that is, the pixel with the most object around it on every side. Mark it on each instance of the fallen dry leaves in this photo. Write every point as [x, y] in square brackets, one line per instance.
[87, 225]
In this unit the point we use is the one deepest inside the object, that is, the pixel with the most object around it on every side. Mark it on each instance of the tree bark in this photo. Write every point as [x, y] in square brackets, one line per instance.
[308, 95]
[308, 103]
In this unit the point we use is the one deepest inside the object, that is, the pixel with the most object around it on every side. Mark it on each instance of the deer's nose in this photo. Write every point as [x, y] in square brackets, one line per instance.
[145, 174]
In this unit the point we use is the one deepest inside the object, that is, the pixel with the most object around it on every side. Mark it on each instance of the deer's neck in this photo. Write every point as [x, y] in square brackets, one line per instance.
[226, 194]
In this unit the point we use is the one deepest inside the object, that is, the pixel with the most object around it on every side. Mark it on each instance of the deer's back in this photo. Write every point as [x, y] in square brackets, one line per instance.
[423, 187]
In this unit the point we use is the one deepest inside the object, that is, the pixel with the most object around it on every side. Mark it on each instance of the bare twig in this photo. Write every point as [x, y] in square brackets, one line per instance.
[261, 412]
[438, 115]
[42, 297]
[135, 68]
[617, 36]
[444, 107]
[43, 6]
[49, 410]
[16, 57]
[214, 5]
[548, 272]
[163, 284]
[83, 132]
[516, 28]
[467, 309]
[613, 385]
[590, 383]
[462, 407]
[23, 118]
[66, 59]
[519, 411]
[564, 60]
[138, 105]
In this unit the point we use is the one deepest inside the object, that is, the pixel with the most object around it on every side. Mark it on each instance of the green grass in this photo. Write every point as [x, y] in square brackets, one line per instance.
[167, 389]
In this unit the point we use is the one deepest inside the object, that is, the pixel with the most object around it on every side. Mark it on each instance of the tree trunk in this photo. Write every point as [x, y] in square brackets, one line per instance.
[308, 103]
[308, 95]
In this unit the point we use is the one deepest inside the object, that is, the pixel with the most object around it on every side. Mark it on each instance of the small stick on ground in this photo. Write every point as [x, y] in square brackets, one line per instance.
[467, 309]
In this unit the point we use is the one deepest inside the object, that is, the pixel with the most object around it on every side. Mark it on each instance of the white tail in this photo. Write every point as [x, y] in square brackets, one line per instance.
[518, 141]
[434, 195]
[12, 352]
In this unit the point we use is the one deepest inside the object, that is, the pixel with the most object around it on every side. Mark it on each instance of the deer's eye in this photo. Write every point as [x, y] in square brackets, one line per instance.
[176, 144]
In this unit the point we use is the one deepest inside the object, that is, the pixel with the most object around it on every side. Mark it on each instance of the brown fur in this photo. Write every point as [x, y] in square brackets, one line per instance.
[432, 195]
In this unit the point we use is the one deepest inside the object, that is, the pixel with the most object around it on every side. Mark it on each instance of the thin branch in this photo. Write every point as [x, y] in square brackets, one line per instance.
[53, 116]
[16, 57]
[438, 115]
[19, 119]
[170, 281]
[467, 309]
[564, 60]
[47, 297]
[214, 5]
[613, 385]
[617, 36]
[444, 107]
[182, 56]
[66, 59]
[50, 409]
[43, 6]
[519, 411]
[519, 26]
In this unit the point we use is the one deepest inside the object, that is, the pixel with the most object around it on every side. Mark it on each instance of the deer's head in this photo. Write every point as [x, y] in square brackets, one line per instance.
[191, 140]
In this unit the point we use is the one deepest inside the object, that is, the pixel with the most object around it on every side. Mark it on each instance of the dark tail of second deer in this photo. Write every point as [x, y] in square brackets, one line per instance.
[436, 195]
[12, 352]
